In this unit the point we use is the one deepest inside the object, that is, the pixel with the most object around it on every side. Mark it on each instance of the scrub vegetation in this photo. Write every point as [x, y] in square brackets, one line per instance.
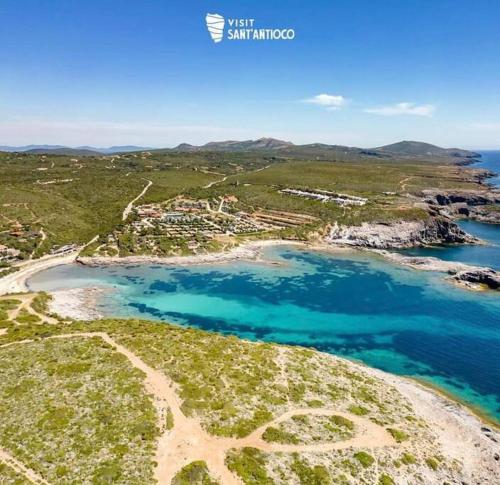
[49, 202]
[76, 411]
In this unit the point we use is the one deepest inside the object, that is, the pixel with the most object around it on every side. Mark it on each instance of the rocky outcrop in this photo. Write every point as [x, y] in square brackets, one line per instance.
[425, 263]
[481, 205]
[402, 234]
[478, 277]
[470, 277]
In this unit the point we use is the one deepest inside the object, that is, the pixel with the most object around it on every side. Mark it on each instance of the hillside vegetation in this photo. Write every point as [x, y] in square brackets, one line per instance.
[50, 201]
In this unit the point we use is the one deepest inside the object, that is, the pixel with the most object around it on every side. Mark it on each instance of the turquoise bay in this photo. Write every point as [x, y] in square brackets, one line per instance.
[351, 304]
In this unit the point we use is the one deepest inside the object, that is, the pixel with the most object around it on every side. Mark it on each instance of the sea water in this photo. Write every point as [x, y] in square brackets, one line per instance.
[351, 304]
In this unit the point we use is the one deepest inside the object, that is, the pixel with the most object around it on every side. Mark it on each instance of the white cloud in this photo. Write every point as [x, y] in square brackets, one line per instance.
[403, 109]
[329, 101]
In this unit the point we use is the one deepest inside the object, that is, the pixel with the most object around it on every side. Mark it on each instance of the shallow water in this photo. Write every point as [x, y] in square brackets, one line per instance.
[356, 305]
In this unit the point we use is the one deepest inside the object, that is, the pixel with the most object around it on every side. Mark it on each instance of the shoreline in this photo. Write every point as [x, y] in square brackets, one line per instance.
[455, 423]
[247, 251]
[79, 303]
[17, 282]
[461, 406]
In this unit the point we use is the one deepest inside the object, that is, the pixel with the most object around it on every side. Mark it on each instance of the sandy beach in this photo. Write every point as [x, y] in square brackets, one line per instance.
[16, 282]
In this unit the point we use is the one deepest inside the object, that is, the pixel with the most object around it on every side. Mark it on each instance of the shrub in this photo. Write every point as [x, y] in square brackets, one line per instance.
[358, 410]
[277, 435]
[385, 480]
[317, 475]
[397, 434]
[408, 459]
[342, 422]
[196, 473]
[249, 464]
[364, 458]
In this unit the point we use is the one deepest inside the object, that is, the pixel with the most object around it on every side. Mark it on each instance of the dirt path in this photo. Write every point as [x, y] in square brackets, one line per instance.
[26, 301]
[368, 434]
[403, 183]
[42, 239]
[188, 441]
[130, 205]
[20, 468]
[215, 182]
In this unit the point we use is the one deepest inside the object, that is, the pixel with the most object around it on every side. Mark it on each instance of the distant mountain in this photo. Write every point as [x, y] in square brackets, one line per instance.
[26, 148]
[117, 149]
[76, 152]
[323, 151]
[81, 150]
[277, 148]
[420, 149]
[236, 146]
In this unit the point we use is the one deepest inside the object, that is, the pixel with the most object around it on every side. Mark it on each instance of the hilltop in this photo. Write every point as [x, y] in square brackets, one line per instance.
[419, 149]
[277, 148]
[323, 151]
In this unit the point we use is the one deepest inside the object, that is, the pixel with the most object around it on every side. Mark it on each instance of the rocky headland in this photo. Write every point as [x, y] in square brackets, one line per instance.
[401, 234]
[481, 205]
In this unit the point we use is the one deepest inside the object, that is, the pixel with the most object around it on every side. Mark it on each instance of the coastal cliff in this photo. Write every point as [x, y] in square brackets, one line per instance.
[401, 234]
[480, 205]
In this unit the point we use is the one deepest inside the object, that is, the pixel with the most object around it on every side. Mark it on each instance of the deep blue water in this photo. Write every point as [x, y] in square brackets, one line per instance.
[490, 159]
[356, 305]
[488, 255]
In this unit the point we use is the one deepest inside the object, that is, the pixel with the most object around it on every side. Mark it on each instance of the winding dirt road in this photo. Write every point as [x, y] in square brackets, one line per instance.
[187, 441]
[215, 182]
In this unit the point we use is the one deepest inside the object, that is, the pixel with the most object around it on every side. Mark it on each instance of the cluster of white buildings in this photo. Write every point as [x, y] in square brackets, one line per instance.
[327, 196]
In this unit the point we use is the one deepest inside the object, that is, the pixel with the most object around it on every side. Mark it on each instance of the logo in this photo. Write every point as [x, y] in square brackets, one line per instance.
[243, 29]
[215, 26]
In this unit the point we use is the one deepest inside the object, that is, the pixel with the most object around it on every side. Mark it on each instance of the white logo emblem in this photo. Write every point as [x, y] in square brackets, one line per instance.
[215, 25]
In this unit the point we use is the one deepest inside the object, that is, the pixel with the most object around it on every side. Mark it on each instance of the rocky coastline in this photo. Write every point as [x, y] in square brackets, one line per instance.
[467, 276]
[480, 205]
[401, 234]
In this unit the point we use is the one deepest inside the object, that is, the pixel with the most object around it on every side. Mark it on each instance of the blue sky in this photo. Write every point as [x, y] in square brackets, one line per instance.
[361, 73]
